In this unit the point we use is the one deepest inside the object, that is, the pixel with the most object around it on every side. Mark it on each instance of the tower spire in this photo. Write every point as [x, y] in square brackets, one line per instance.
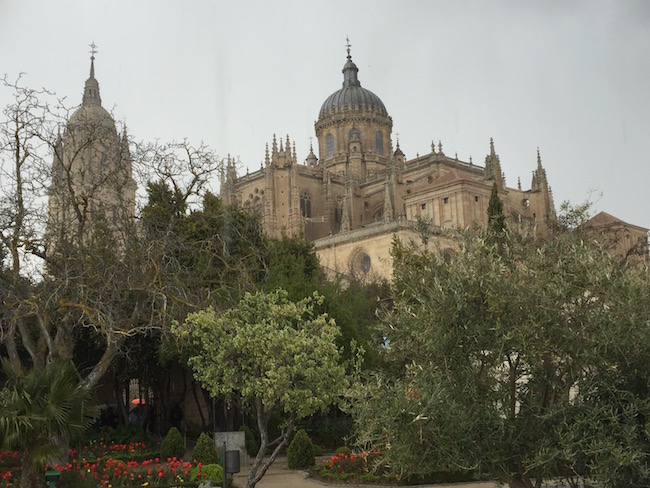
[93, 51]
[350, 69]
[91, 90]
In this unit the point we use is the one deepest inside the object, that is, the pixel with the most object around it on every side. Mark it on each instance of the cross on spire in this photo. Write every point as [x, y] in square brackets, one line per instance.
[348, 46]
[93, 50]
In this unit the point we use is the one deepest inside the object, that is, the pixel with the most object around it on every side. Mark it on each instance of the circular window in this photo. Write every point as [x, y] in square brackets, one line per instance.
[360, 262]
[525, 203]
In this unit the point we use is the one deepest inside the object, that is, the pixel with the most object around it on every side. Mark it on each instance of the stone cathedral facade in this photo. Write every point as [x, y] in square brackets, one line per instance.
[350, 200]
[360, 190]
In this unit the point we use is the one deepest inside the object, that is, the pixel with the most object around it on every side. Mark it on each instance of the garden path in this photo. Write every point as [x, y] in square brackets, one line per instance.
[279, 476]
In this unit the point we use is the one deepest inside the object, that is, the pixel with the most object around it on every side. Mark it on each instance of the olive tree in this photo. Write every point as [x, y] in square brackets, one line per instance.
[279, 355]
[521, 359]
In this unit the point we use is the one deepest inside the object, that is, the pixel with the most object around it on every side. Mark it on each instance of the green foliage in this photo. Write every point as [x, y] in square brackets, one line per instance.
[294, 266]
[270, 350]
[344, 450]
[331, 430]
[521, 357]
[252, 444]
[163, 206]
[279, 355]
[300, 454]
[496, 218]
[205, 450]
[123, 434]
[41, 408]
[172, 445]
[571, 217]
[208, 472]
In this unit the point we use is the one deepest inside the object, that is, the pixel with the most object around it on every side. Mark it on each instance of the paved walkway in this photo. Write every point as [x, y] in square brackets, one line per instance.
[279, 476]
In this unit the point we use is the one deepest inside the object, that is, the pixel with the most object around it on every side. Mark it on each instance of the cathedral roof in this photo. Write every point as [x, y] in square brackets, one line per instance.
[352, 96]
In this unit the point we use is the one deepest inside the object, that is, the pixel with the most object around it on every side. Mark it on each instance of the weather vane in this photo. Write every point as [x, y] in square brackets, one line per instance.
[93, 50]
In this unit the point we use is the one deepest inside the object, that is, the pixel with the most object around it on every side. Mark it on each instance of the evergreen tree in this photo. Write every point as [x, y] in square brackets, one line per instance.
[496, 218]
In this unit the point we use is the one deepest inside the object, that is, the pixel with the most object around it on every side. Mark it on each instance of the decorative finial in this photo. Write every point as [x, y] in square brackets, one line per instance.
[93, 51]
[470, 161]
[539, 159]
[311, 149]
[491, 146]
[348, 46]
[440, 146]
[433, 147]
[518, 183]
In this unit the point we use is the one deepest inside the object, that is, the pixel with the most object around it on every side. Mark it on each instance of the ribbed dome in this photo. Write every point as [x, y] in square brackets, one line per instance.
[90, 116]
[352, 96]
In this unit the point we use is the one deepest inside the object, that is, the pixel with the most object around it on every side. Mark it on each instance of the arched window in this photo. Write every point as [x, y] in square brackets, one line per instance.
[379, 143]
[305, 204]
[329, 146]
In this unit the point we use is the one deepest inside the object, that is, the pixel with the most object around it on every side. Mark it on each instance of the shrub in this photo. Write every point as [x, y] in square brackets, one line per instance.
[300, 454]
[344, 450]
[205, 450]
[172, 445]
[252, 445]
[208, 472]
[317, 449]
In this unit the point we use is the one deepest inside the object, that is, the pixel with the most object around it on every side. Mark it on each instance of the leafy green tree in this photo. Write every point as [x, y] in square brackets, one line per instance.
[38, 410]
[523, 360]
[279, 355]
[293, 265]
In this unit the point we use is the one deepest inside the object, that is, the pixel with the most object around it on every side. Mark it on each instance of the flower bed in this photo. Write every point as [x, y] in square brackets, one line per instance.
[364, 467]
[99, 465]
[370, 468]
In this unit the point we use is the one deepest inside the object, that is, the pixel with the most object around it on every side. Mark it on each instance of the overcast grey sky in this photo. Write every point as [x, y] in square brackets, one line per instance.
[569, 77]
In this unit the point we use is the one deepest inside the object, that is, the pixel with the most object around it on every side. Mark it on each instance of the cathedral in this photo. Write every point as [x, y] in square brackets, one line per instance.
[361, 190]
[350, 200]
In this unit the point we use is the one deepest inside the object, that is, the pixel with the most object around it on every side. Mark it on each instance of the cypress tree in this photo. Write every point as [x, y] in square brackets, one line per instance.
[496, 218]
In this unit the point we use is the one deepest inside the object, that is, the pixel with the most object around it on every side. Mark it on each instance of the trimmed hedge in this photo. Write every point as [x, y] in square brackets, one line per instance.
[205, 450]
[172, 445]
[300, 454]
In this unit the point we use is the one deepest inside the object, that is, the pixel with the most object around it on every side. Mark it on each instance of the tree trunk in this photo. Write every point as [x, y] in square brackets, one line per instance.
[29, 475]
[259, 467]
